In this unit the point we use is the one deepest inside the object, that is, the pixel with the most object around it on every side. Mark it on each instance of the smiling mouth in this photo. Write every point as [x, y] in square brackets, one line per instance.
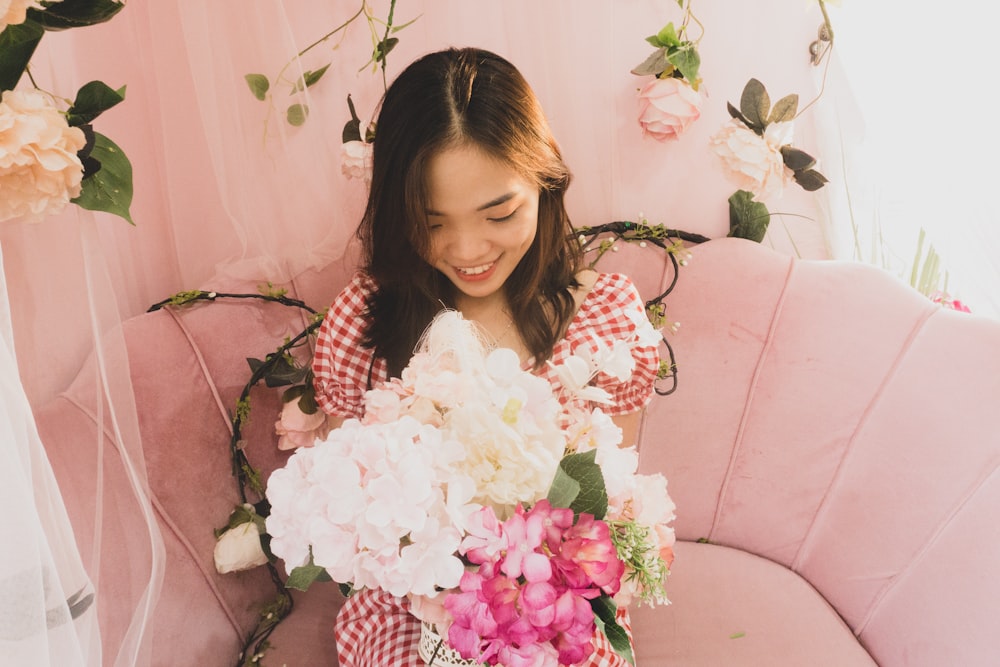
[475, 270]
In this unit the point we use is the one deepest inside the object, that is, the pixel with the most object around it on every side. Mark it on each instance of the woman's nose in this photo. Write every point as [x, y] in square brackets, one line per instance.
[467, 246]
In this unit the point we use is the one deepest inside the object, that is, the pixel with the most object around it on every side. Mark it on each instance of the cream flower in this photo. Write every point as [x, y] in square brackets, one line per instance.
[754, 162]
[667, 107]
[40, 171]
[13, 12]
[356, 160]
[239, 549]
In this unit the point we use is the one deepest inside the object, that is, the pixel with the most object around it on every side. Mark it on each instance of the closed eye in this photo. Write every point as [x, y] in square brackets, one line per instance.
[506, 217]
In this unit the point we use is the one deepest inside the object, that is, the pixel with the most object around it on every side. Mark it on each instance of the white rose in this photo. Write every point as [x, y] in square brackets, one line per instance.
[13, 12]
[356, 160]
[39, 168]
[754, 162]
[239, 549]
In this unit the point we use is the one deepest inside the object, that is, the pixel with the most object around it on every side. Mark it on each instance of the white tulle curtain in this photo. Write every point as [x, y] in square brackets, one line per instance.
[912, 137]
[224, 185]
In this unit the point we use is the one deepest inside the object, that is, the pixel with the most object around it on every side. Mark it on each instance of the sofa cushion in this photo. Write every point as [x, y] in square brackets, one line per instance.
[730, 607]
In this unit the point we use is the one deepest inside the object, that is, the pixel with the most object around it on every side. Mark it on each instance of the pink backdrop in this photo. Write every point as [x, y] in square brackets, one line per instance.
[216, 191]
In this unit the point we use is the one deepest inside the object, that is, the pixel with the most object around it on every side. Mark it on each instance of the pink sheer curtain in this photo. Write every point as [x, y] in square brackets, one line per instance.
[224, 185]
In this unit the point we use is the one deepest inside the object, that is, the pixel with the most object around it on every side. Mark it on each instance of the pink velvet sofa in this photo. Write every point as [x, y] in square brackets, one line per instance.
[832, 447]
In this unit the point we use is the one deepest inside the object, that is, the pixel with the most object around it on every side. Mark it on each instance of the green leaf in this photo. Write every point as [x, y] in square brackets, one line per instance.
[307, 403]
[293, 393]
[352, 130]
[686, 60]
[668, 36]
[283, 372]
[735, 113]
[259, 85]
[810, 179]
[384, 47]
[314, 76]
[593, 496]
[66, 14]
[91, 101]
[605, 617]
[755, 104]
[302, 577]
[564, 489]
[652, 40]
[110, 189]
[397, 28]
[308, 78]
[654, 64]
[297, 114]
[17, 44]
[795, 159]
[748, 219]
[784, 109]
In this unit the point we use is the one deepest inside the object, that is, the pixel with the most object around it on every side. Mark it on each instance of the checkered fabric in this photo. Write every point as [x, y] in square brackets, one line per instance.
[375, 629]
[341, 365]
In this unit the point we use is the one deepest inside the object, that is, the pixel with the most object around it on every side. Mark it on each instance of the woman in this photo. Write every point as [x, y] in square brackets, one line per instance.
[466, 211]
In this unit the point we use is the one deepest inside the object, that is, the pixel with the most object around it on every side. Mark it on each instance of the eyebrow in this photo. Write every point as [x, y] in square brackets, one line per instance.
[490, 204]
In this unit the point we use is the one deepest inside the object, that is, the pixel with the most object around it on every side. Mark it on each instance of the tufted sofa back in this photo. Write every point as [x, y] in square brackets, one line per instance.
[827, 418]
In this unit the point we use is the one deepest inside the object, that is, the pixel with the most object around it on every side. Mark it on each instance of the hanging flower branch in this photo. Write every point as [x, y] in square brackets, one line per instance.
[50, 154]
[383, 42]
[756, 151]
[670, 102]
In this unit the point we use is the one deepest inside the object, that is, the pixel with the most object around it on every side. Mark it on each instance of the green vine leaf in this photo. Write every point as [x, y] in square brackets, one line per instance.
[591, 497]
[91, 101]
[66, 14]
[667, 36]
[796, 159]
[258, 84]
[686, 60]
[352, 130]
[654, 64]
[810, 179]
[748, 219]
[784, 109]
[304, 576]
[755, 104]
[110, 189]
[605, 617]
[309, 78]
[17, 44]
[297, 114]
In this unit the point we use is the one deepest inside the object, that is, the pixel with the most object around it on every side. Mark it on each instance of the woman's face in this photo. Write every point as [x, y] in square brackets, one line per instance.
[483, 217]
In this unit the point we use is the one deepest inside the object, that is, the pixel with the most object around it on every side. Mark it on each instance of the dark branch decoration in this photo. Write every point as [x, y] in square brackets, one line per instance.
[281, 369]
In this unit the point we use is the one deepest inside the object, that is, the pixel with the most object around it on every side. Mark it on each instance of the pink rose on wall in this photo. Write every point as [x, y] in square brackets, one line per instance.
[670, 102]
[40, 171]
[667, 107]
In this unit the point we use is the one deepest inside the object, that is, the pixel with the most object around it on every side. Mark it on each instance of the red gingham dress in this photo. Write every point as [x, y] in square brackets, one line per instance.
[375, 629]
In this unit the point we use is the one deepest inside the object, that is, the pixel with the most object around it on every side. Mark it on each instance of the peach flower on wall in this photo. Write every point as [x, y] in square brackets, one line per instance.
[754, 162]
[40, 171]
[667, 107]
[14, 12]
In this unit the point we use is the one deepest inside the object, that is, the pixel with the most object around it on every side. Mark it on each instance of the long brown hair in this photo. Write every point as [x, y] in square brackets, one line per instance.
[445, 99]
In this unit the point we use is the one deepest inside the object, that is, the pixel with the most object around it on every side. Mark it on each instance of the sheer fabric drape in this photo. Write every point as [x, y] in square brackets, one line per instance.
[911, 142]
[225, 186]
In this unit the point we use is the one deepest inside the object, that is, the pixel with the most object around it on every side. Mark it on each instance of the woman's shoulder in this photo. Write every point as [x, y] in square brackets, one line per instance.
[606, 291]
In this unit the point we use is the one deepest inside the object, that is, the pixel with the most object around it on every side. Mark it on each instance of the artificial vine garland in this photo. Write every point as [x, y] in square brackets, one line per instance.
[281, 369]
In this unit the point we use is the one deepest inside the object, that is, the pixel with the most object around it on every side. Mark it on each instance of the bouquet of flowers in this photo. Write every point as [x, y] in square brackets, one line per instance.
[471, 483]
